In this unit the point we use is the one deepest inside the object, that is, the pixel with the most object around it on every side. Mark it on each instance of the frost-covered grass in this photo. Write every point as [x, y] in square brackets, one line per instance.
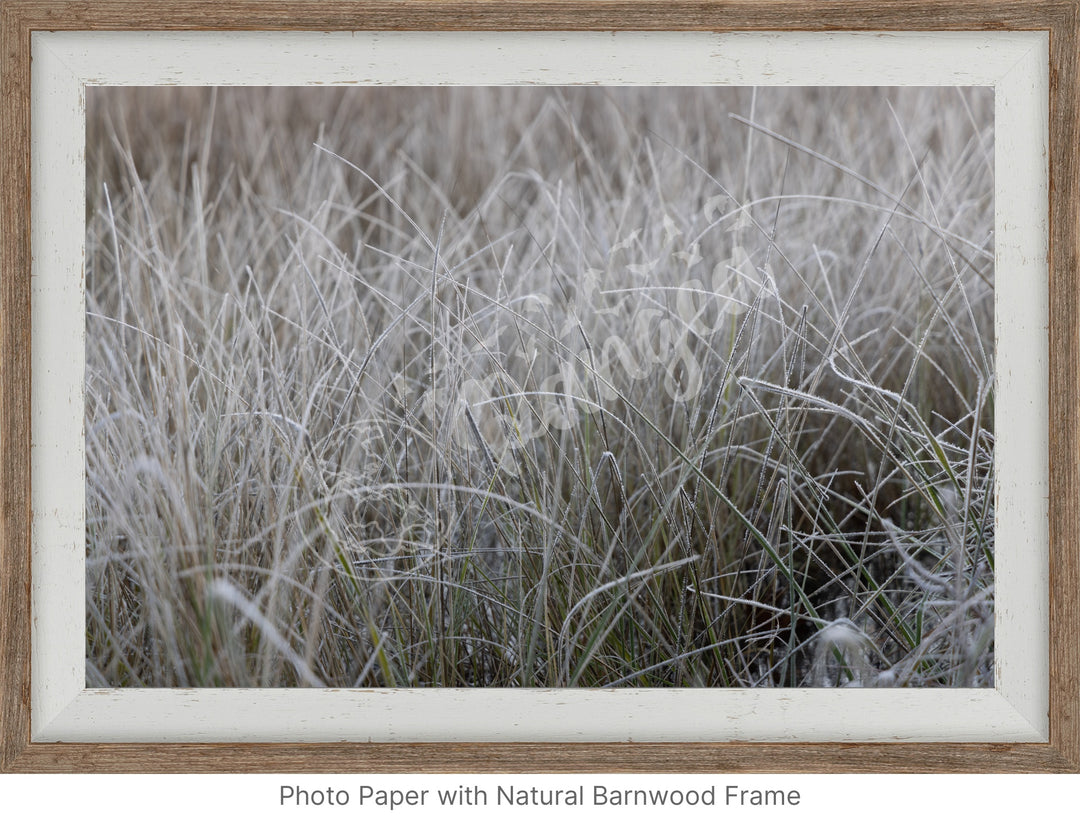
[540, 387]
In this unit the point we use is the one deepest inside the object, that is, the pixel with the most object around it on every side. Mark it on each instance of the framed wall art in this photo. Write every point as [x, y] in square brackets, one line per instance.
[573, 386]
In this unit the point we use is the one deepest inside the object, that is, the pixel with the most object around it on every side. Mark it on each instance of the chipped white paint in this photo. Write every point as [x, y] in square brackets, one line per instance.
[1014, 63]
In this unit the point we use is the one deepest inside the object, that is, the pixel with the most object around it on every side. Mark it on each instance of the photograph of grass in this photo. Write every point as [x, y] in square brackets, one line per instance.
[540, 387]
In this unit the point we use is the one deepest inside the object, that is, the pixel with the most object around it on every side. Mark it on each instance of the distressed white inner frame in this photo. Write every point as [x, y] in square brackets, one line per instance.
[1015, 64]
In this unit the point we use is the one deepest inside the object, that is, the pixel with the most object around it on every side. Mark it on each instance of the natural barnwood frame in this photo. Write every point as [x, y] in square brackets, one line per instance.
[1060, 18]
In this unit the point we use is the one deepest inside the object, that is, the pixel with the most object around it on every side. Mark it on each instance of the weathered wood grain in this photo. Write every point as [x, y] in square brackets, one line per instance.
[1065, 387]
[14, 386]
[550, 15]
[544, 758]
[18, 18]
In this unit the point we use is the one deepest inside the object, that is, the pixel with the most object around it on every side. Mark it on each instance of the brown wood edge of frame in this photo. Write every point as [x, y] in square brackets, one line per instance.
[19, 18]
[536, 15]
[502, 757]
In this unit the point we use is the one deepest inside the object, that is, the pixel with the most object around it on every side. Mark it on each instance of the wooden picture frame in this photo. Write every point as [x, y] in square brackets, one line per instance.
[19, 752]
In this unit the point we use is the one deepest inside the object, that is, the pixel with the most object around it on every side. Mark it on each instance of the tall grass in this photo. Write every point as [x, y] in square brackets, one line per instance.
[600, 387]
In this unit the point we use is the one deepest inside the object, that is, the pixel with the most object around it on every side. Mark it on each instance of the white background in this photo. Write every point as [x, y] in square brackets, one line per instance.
[866, 801]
